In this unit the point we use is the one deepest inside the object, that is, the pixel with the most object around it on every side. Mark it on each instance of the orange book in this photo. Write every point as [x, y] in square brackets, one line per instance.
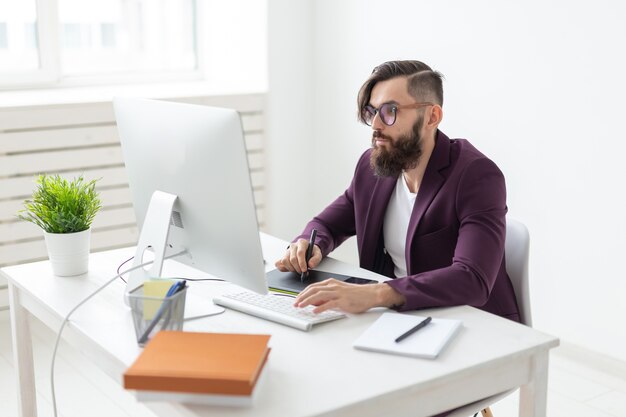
[199, 363]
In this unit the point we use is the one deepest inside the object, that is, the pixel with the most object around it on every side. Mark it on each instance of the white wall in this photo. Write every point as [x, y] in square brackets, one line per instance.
[233, 45]
[538, 86]
[290, 117]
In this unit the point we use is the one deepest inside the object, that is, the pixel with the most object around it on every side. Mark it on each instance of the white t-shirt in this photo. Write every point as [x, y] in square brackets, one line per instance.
[396, 224]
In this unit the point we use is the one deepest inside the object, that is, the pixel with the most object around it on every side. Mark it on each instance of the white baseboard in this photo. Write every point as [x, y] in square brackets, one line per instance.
[599, 361]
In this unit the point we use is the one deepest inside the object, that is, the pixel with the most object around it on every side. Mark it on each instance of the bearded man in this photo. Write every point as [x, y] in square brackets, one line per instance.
[427, 210]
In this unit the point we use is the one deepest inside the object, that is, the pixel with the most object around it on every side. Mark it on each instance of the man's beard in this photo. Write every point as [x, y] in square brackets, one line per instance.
[403, 153]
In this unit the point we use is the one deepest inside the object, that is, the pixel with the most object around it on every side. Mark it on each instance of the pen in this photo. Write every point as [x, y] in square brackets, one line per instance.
[412, 330]
[309, 252]
[181, 286]
[175, 288]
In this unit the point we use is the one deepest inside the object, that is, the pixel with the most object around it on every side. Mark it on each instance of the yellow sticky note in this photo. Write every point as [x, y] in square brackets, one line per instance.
[154, 288]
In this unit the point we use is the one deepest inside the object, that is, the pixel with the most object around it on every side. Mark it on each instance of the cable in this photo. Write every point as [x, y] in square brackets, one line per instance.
[121, 265]
[65, 321]
[204, 279]
[188, 279]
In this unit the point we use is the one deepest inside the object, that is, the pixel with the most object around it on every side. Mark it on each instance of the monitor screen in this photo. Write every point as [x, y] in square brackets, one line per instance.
[198, 154]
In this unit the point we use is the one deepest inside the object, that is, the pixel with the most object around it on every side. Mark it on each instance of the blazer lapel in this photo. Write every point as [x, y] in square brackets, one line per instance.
[431, 183]
[379, 200]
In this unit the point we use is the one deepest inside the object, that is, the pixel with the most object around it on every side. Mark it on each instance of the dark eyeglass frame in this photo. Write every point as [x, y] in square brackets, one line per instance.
[389, 109]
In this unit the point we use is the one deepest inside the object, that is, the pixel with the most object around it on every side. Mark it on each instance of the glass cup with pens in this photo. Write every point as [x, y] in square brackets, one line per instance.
[152, 314]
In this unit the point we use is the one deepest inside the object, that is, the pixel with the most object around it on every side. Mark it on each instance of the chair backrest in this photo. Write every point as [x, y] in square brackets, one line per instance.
[516, 258]
[516, 247]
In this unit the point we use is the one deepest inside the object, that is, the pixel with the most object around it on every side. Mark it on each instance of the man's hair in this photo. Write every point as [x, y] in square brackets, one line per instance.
[424, 84]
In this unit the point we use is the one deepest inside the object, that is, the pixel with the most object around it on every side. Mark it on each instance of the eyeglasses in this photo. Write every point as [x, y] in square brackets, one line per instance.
[387, 112]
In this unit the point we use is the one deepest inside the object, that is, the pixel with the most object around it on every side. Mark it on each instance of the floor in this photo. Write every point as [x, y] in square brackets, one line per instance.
[575, 389]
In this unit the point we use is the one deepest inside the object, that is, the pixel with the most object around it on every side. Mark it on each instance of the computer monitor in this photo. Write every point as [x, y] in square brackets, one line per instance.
[191, 190]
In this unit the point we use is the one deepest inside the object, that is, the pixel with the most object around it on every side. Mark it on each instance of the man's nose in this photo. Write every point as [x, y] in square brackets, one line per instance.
[377, 123]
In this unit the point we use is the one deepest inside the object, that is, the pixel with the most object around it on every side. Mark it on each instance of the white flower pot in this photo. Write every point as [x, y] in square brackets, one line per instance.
[68, 252]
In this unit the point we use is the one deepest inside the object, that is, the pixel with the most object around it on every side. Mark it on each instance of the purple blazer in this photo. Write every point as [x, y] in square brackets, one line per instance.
[455, 240]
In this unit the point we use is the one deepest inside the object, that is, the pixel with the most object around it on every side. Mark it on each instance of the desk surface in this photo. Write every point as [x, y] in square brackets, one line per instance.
[308, 373]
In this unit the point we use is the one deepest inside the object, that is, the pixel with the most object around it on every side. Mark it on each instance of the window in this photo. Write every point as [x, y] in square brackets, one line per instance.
[70, 42]
[18, 45]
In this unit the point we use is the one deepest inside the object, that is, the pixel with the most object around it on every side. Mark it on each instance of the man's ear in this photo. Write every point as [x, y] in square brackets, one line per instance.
[435, 116]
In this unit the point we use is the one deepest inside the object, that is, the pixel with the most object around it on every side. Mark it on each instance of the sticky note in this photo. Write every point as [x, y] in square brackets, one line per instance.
[154, 288]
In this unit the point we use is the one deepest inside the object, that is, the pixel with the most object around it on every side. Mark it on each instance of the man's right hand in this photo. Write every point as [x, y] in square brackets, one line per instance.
[295, 257]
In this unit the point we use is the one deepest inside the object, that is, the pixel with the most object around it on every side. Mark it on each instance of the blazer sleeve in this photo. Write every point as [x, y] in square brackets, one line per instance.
[480, 204]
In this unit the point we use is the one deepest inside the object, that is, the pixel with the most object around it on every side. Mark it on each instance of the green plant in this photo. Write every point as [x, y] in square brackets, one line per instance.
[62, 206]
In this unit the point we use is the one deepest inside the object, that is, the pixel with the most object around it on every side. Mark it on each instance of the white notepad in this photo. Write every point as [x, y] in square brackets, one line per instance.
[427, 342]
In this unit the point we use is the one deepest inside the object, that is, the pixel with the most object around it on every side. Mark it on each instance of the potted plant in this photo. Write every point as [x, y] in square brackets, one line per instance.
[64, 210]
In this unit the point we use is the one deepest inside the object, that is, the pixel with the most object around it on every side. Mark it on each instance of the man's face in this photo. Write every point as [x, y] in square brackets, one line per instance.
[396, 155]
[396, 147]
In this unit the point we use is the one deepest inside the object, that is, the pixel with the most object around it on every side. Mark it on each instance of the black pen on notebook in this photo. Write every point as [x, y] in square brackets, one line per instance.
[309, 253]
[413, 329]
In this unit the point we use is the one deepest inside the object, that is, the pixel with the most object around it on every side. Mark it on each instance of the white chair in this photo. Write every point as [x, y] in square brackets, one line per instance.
[516, 251]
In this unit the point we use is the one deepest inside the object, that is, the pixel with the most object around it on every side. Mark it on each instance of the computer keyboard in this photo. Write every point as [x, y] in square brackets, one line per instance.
[276, 308]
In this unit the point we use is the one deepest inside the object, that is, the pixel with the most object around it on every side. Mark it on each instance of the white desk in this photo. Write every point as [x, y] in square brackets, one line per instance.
[315, 373]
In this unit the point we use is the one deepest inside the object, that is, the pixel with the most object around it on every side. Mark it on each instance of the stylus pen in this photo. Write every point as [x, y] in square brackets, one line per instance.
[309, 252]
[412, 330]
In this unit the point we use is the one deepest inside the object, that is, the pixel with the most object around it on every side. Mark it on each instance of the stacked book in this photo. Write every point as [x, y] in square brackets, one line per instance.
[201, 368]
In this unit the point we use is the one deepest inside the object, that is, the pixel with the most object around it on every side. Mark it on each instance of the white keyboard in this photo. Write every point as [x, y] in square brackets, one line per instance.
[276, 308]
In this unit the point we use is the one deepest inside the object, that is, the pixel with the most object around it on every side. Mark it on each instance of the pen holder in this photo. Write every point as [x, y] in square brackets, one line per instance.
[153, 314]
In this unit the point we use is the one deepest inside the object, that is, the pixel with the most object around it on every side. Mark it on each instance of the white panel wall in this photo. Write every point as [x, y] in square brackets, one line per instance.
[539, 87]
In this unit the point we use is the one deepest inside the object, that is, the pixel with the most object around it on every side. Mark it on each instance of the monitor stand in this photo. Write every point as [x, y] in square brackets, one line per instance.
[154, 233]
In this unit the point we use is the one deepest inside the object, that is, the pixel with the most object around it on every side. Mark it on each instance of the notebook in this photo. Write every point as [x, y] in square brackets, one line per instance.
[214, 366]
[427, 342]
